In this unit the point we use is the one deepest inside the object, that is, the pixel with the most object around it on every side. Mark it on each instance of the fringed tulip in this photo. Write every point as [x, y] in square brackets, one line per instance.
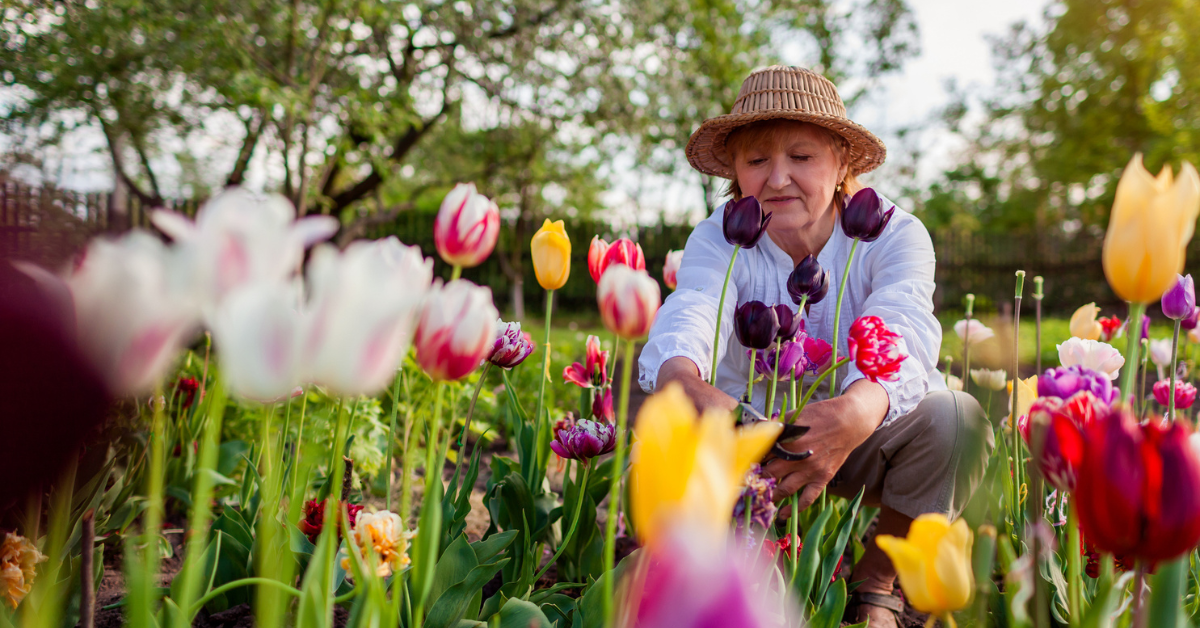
[1180, 299]
[1110, 327]
[18, 568]
[744, 223]
[384, 532]
[584, 440]
[864, 218]
[1185, 394]
[467, 226]
[688, 469]
[808, 282]
[629, 300]
[1084, 324]
[1064, 382]
[512, 345]
[875, 349]
[457, 330]
[595, 373]
[1063, 422]
[994, 380]
[756, 325]
[1152, 221]
[933, 563]
[978, 332]
[1091, 354]
[671, 268]
[551, 251]
[257, 331]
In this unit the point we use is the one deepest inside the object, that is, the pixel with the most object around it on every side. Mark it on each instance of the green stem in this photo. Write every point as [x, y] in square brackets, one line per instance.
[1038, 295]
[1145, 369]
[407, 455]
[299, 440]
[432, 474]
[1129, 373]
[774, 381]
[388, 465]
[462, 437]
[614, 489]
[970, 312]
[712, 376]
[794, 530]
[812, 389]
[750, 377]
[837, 319]
[1074, 579]
[229, 586]
[456, 272]
[574, 520]
[542, 377]
[1174, 357]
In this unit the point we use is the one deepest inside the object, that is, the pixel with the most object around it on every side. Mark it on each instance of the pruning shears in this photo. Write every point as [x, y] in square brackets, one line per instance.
[791, 432]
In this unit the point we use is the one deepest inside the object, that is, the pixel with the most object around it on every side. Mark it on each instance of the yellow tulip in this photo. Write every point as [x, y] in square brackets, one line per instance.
[1084, 324]
[1152, 221]
[688, 470]
[1025, 396]
[551, 250]
[934, 564]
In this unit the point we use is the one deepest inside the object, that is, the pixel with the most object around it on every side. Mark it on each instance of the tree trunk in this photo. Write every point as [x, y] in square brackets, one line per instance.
[518, 299]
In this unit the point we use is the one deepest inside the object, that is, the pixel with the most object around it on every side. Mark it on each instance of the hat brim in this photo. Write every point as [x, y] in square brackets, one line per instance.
[707, 153]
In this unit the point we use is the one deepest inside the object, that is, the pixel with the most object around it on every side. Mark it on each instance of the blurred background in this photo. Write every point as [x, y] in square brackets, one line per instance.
[1007, 124]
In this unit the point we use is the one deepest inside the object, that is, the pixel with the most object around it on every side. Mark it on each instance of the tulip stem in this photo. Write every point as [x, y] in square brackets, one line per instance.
[712, 376]
[1139, 586]
[1074, 580]
[462, 437]
[579, 495]
[1037, 318]
[970, 311]
[543, 376]
[812, 389]
[392, 437]
[299, 440]
[1145, 356]
[774, 380]
[1174, 357]
[837, 320]
[794, 530]
[1129, 374]
[794, 398]
[750, 377]
[456, 273]
[614, 489]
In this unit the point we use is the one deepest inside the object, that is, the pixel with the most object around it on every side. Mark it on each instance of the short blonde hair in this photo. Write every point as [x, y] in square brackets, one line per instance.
[769, 133]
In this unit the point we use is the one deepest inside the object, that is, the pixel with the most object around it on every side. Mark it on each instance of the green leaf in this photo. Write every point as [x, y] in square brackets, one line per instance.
[518, 613]
[829, 615]
[1108, 595]
[488, 548]
[590, 608]
[452, 605]
[1166, 594]
[425, 548]
[835, 544]
[810, 558]
[230, 454]
[453, 567]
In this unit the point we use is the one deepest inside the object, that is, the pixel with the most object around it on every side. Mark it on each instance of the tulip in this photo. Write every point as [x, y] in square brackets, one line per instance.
[989, 379]
[1160, 352]
[595, 374]
[1190, 321]
[1180, 299]
[257, 330]
[972, 331]
[1138, 491]
[875, 349]
[457, 330]
[467, 226]
[818, 354]
[1026, 395]
[602, 406]
[313, 520]
[808, 282]
[584, 440]
[864, 218]
[186, 389]
[744, 223]
[1145, 327]
[790, 357]
[1064, 382]
[1091, 354]
[1185, 394]
[601, 255]
[18, 568]
[1084, 324]
[551, 250]
[687, 469]
[757, 490]
[671, 268]
[953, 382]
[363, 307]
[384, 532]
[756, 325]
[789, 322]
[1151, 223]
[933, 563]
[1110, 327]
[596, 250]
[1064, 421]
[512, 345]
[629, 300]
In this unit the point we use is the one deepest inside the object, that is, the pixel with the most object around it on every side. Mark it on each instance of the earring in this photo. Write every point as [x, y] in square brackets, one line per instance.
[839, 187]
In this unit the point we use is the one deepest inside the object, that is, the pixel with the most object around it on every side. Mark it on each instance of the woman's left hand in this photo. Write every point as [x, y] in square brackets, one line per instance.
[836, 427]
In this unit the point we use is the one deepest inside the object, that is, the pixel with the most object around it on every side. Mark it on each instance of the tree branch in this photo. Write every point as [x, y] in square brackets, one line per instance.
[114, 149]
[253, 132]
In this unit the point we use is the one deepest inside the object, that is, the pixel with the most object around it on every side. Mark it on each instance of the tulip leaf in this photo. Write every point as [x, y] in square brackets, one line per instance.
[835, 544]
[810, 556]
[1108, 594]
[1166, 593]
[425, 547]
[490, 547]
[518, 613]
[455, 564]
[833, 605]
[452, 604]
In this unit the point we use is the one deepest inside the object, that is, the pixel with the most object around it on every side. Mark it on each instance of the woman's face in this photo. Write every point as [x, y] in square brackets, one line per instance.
[793, 177]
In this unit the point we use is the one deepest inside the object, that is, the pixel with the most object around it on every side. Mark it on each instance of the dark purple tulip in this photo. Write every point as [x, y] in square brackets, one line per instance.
[744, 222]
[791, 358]
[789, 322]
[512, 346]
[864, 218]
[808, 279]
[584, 440]
[756, 325]
[1189, 323]
[1180, 299]
[1064, 382]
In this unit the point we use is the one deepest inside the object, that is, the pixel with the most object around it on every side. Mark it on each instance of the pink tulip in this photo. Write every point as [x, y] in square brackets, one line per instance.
[671, 268]
[1185, 393]
[602, 255]
[467, 226]
[629, 299]
[596, 251]
[457, 330]
[595, 373]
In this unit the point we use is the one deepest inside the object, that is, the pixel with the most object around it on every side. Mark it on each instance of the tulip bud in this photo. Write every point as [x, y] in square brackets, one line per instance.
[551, 250]
[596, 251]
[789, 322]
[1180, 299]
[457, 330]
[629, 299]
[933, 563]
[671, 268]
[1084, 324]
[744, 223]
[512, 345]
[756, 325]
[808, 279]
[864, 218]
[466, 227]
[602, 406]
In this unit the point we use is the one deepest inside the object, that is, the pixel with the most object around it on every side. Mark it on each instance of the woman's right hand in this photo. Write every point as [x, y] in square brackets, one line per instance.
[685, 372]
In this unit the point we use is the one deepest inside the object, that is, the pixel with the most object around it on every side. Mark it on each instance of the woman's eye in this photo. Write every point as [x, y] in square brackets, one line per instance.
[756, 161]
[801, 157]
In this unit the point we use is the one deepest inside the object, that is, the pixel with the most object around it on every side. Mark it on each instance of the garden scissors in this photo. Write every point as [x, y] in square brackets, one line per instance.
[790, 432]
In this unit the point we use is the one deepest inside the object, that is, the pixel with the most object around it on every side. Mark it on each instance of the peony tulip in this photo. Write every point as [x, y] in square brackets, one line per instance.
[629, 300]
[18, 568]
[1152, 221]
[864, 218]
[595, 374]
[512, 345]
[363, 306]
[875, 349]
[989, 379]
[687, 470]
[1091, 354]
[933, 563]
[457, 330]
[978, 332]
[551, 251]
[1026, 395]
[1084, 324]
[1064, 382]
[756, 325]
[671, 268]
[1185, 394]
[1110, 328]
[1180, 299]
[818, 354]
[584, 440]
[744, 223]
[1064, 421]
[808, 281]
[1138, 491]
[257, 331]
[467, 226]
[1160, 352]
[384, 532]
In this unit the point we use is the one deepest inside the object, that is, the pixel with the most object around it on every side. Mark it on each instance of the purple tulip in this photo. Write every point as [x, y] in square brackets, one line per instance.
[1191, 320]
[756, 324]
[1145, 327]
[758, 489]
[864, 218]
[1179, 301]
[744, 222]
[1065, 381]
[808, 280]
[791, 358]
[584, 440]
[512, 346]
[789, 322]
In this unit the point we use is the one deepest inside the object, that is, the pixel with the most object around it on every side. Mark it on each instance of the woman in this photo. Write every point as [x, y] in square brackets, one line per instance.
[914, 446]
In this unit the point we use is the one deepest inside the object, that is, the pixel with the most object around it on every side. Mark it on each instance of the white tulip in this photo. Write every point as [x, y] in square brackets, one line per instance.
[987, 378]
[457, 330]
[978, 331]
[1160, 352]
[1092, 354]
[256, 329]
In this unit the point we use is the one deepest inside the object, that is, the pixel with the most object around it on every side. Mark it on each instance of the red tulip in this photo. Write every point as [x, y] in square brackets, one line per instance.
[1138, 491]
[671, 268]
[466, 227]
[629, 299]
[595, 374]
[874, 349]
[601, 255]
[1064, 421]
[1109, 327]
[1185, 393]
[457, 330]
[314, 518]
[596, 251]
[602, 406]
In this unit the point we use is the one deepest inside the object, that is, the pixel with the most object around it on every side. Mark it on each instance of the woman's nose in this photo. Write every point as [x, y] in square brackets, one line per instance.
[779, 176]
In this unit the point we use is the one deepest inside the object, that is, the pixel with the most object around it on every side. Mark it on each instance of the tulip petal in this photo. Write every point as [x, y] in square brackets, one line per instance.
[952, 566]
[910, 564]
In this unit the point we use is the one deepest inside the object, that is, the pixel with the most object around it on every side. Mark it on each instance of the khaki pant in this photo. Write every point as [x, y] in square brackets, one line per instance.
[929, 460]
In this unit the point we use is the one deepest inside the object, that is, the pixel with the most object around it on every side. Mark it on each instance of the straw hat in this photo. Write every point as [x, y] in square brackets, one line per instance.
[787, 93]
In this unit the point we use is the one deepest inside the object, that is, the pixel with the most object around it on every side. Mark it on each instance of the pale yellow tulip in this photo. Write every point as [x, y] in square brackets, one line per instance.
[1025, 396]
[1152, 221]
[1084, 324]
[551, 250]
[934, 564]
[689, 470]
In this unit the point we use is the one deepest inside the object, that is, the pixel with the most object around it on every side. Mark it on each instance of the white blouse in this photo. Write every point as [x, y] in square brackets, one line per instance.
[892, 278]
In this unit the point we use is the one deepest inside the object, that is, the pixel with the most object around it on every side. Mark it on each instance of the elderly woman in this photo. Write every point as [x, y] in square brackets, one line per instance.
[913, 445]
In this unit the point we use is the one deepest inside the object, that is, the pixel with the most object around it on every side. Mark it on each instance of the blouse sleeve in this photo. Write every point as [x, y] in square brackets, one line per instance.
[900, 268]
[687, 319]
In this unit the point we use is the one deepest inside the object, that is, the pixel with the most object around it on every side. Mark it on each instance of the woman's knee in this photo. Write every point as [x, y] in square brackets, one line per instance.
[957, 425]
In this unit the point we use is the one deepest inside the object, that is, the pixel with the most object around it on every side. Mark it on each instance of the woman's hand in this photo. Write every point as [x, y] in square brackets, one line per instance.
[704, 395]
[836, 427]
